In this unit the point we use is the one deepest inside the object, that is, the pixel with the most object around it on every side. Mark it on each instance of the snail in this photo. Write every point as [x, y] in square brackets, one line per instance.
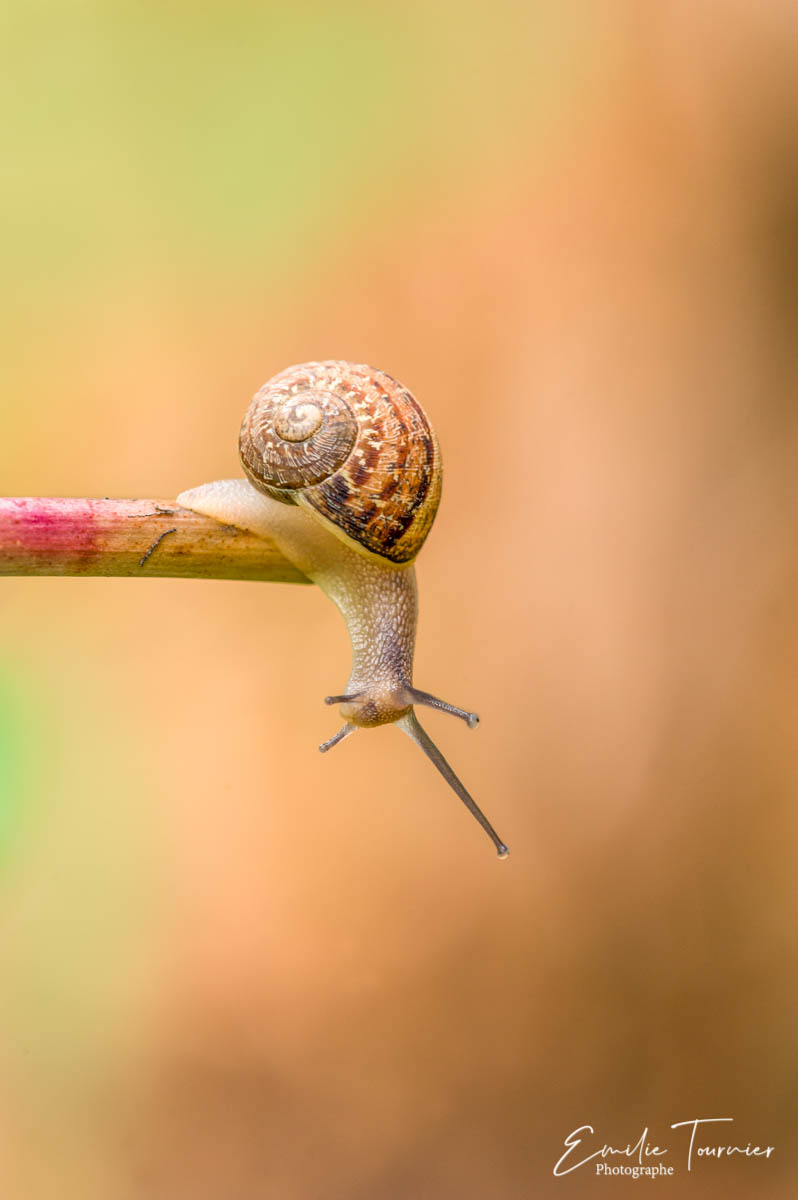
[343, 473]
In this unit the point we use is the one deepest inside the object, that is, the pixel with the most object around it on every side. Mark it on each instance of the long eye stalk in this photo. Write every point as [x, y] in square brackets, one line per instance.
[410, 725]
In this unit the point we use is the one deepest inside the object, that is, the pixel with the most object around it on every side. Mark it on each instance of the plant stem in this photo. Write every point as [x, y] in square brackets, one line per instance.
[144, 538]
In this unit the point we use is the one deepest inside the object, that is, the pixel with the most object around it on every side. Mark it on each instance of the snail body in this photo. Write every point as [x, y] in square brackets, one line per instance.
[344, 475]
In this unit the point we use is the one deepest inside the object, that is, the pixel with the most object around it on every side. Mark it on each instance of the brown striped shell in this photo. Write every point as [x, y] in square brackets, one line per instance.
[349, 443]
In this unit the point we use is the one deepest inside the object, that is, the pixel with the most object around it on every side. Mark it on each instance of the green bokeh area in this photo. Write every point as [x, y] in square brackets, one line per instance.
[12, 754]
[180, 126]
[221, 137]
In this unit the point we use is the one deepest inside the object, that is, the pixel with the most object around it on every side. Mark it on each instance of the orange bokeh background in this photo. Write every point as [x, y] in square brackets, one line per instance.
[233, 968]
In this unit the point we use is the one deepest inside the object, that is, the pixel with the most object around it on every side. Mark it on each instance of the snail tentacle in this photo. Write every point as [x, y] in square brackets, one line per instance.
[337, 737]
[471, 719]
[416, 732]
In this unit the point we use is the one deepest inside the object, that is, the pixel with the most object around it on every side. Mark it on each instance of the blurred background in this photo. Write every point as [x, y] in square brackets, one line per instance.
[229, 967]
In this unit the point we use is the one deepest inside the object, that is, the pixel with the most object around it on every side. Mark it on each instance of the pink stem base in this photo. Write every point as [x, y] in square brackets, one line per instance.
[135, 538]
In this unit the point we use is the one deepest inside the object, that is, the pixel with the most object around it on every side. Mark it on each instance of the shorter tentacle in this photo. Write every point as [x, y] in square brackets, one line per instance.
[338, 737]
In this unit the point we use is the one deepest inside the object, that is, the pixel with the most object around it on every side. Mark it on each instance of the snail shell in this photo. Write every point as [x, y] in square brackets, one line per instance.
[350, 444]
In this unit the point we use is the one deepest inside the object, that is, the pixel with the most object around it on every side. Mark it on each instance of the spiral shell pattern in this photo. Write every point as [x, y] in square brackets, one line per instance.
[351, 444]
